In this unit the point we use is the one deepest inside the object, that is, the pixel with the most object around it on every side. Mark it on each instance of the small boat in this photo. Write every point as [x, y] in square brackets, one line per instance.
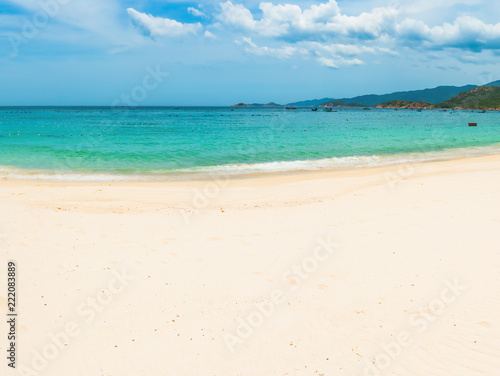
[314, 109]
[291, 108]
[472, 124]
[419, 110]
[327, 109]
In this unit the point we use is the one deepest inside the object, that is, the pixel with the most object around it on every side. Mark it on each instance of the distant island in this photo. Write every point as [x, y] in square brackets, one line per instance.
[481, 98]
[271, 104]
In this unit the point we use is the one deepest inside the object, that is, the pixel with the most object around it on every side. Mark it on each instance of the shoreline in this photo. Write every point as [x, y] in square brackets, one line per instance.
[320, 166]
[274, 178]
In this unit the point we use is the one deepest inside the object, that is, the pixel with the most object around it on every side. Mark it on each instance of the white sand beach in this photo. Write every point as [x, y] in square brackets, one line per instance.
[383, 271]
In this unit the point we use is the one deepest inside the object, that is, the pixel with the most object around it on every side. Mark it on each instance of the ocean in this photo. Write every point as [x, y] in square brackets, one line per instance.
[167, 143]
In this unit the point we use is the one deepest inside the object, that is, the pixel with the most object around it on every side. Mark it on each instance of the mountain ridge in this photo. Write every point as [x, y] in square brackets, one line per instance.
[435, 95]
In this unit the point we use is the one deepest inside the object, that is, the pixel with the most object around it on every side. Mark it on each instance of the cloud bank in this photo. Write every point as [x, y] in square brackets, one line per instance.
[324, 33]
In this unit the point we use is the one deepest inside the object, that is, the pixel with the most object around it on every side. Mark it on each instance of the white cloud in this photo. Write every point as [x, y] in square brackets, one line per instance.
[324, 33]
[337, 63]
[281, 53]
[196, 12]
[368, 25]
[339, 49]
[209, 35]
[336, 39]
[236, 16]
[467, 33]
[162, 27]
[278, 20]
[329, 55]
[319, 21]
[338, 55]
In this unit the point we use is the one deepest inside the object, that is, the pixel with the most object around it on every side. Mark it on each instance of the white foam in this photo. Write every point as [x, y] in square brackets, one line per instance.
[343, 162]
[63, 176]
[306, 165]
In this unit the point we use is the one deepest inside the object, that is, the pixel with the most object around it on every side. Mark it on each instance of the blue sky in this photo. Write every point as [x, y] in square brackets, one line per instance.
[91, 52]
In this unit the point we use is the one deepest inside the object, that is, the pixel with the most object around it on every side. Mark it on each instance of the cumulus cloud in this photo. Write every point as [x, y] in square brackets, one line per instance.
[466, 33]
[236, 16]
[342, 39]
[162, 27]
[319, 21]
[320, 32]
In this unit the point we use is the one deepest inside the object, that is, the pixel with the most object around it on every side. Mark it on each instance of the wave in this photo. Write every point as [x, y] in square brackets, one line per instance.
[306, 165]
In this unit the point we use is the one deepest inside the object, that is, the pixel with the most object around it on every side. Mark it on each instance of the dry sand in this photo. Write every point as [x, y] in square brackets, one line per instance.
[392, 271]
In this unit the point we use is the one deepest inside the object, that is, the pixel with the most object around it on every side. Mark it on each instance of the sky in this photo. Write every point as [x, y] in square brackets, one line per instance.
[153, 53]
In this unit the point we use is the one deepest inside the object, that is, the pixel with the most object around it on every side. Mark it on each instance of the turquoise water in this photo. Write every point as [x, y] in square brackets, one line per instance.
[164, 141]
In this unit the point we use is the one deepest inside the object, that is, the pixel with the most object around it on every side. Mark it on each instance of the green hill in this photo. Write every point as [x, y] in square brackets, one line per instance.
[483, 97]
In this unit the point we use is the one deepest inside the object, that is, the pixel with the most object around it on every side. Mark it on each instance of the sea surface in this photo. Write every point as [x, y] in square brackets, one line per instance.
[167, 143]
